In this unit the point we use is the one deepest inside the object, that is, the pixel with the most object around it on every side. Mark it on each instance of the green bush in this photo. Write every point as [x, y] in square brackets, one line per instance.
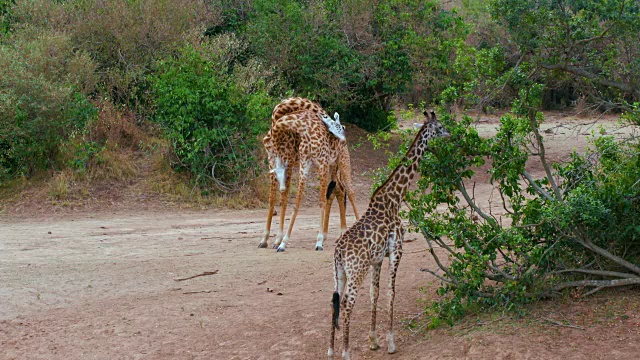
[212, 122]
[123, 38]
[40, 105]
[576, 226]
[6, 15]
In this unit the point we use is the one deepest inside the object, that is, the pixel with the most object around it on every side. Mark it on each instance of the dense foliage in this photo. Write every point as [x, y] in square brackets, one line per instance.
[578, 226]
[41, 102]
[212, 120]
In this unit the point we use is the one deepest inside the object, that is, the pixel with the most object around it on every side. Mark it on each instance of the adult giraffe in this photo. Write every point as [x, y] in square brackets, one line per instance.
[302, 134]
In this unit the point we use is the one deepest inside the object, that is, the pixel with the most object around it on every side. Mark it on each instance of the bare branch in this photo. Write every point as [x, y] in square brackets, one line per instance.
[436, 275]
[593, 291]
[475, 207]
[433, 253]
[627, 88]
[195, 276]
[497, 269]
[536, 187]
[598, 283]
[504, 202]
[598, 272]
[600, 251]
[557, 323]
[543, 158]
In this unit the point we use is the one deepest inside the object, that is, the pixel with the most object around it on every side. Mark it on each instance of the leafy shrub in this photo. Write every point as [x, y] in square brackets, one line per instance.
[40, 106]
[124, 38]
[6, 15]
[212, 122]
[576, 226]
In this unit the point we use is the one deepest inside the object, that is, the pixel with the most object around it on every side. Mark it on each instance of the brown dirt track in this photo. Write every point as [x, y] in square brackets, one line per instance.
[101, 285]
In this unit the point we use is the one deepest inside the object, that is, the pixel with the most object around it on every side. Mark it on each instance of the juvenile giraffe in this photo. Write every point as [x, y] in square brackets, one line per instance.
[301, 130]
[379, 233]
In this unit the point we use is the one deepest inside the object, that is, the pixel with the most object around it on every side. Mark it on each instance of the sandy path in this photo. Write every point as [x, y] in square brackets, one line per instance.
[104, 288]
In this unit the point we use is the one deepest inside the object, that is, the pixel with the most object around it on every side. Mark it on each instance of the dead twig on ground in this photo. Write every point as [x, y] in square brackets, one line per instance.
[557, 323]
[206, 273]
[415, 252]
[197, 292]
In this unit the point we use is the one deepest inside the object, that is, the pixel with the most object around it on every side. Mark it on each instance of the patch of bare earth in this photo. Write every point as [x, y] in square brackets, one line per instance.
[107, 284]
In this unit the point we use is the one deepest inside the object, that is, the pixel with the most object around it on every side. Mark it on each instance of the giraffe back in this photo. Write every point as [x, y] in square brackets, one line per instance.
[294, 105]
[316, 142]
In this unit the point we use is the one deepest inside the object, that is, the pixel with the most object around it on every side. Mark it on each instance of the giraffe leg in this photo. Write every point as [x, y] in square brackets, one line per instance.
[395, 253]
[344, 166]
[347, 304]
[272, 203]
[340, 194]
[339, 280]
[352, 200]
[332, 192]
[355, 277]
[375, 291]
[327, 215]
[323, 171]
[284, 200]
[304, 171]
[342, 205]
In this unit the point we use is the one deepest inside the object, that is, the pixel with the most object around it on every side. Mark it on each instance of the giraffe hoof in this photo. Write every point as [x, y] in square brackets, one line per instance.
[280, 250]
[319, 248]
[262, 246]
[374, 347]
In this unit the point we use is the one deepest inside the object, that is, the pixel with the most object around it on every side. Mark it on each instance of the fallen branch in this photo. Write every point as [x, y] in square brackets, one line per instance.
[533, 184]
[557, 323]
[195, 276]
[542, 156]
[598, 272]
[197, 292]
[474, 206]
[600, 251]
[436, 275]
[600, 284]
[415, 252]
[433, 253]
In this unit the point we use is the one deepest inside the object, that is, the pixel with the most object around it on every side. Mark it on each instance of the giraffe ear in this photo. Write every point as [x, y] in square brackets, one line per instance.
[336, 116]
[427, 117]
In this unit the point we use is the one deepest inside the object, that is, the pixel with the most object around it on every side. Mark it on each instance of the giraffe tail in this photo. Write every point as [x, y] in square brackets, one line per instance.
[336, 309]
[330, 188]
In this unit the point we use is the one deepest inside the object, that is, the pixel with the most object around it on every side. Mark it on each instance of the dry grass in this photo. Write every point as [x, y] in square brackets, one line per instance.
[177, 187]
[117, 156]
[117, 128]
[60, 185]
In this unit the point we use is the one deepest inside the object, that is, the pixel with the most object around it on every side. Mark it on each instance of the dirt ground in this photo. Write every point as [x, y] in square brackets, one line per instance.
[104, 284]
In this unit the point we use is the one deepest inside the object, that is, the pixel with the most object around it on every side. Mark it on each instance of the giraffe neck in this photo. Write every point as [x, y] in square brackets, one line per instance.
[393, 190]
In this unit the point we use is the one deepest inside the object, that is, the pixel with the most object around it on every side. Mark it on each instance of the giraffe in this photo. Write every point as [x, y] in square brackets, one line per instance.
[296, 130]
[379, 233]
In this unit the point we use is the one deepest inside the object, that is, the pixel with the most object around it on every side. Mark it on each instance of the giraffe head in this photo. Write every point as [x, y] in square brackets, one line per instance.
[334, 126]
[430, 128]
